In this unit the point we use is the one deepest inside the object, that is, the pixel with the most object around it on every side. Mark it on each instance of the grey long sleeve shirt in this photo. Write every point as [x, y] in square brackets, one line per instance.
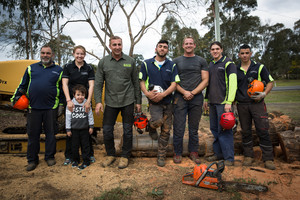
[120, 79]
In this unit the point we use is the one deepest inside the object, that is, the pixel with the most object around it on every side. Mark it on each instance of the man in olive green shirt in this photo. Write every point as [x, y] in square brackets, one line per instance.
[120, 75]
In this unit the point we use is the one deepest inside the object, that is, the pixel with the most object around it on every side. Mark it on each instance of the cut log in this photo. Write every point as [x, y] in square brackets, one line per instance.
[290, 144]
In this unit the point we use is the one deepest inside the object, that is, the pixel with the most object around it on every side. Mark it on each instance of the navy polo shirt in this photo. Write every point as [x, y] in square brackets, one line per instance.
[76, 76]
[163, 76]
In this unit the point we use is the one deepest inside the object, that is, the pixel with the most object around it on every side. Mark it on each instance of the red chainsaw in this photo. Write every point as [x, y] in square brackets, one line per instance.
[207, 177]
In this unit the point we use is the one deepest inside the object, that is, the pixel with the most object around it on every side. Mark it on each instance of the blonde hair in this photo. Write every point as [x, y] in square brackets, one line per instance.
[79, 47]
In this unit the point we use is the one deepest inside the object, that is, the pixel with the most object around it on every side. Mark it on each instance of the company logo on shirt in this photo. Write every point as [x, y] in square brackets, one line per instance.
[253, 72]
[168, 70]
[55, 72]
[126, 65]
[84, 73]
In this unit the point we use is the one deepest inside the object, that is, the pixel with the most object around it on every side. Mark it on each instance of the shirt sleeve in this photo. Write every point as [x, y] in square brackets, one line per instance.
[175, 76]
[91, 75]
[91, 119]
[136, 83]
[232, 83]
[99, 80]
[66, 72]
[143, 72]
[265, 75]
[68, 119]
[23, 86]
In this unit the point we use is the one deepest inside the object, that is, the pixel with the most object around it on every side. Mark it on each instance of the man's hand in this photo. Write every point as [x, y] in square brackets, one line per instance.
[138, 108]
[258, 96]
[70, 105]
[69, 133]
[87, 106]
[91, 131]
[158, 97]
[205, 105]
[227, 108]
[60, 110]
[188, 95]
[99, 107]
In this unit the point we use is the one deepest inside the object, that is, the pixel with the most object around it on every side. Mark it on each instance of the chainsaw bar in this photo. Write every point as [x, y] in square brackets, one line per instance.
[243, 187]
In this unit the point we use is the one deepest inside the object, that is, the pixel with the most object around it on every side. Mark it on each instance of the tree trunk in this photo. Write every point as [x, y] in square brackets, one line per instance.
[290, 144]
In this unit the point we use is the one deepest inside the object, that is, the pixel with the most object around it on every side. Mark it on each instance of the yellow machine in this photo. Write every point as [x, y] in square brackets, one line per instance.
[11, 73]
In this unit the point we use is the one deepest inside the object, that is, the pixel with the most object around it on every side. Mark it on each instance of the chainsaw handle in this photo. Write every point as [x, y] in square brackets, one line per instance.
[188, 182]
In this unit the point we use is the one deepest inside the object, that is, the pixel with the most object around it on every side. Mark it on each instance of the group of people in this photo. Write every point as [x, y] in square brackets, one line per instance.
[174, 89]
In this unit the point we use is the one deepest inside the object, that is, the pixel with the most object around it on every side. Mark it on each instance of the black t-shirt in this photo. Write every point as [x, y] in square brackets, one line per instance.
[76, 76]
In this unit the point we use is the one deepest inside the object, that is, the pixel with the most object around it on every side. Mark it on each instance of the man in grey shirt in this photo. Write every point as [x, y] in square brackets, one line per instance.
[122, 90]
[188, 99]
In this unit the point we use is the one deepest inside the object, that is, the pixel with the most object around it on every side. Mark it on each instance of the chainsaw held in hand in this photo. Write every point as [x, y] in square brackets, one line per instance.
[207, 177]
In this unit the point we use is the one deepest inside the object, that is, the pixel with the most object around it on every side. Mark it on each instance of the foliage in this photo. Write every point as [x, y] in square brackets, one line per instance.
[27, 29]
[116, 194]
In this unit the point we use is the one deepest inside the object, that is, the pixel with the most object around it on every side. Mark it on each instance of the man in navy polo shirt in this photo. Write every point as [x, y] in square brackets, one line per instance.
[161, 73]
[41, 82]
[253, 108]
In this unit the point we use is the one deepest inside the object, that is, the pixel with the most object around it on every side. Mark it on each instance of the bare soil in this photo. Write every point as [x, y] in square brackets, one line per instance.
[143, 179]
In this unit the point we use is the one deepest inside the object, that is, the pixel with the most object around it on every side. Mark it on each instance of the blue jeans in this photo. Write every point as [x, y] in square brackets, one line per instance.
[223, 143]
[193, 109]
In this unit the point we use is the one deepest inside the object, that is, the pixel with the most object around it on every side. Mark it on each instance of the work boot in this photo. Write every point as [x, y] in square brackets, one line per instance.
[51, 162]
[195, 157]
[161, 161]
[108, 161]
[212, 158]
[177, 159]
[228, 163]
[269, 164]
[123, 163]
[247, 161]
[153, 134]
[31, 166]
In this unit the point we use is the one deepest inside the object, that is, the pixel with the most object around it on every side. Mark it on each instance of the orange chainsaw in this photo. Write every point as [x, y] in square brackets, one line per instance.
[208, 177]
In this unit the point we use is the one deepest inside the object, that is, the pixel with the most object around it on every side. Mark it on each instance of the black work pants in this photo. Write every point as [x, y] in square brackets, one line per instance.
[258, 113]
[109, 120]
[37, 120]
[81, 138]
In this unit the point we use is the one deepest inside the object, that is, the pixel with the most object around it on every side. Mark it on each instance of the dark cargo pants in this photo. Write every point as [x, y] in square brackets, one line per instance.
[257, 112]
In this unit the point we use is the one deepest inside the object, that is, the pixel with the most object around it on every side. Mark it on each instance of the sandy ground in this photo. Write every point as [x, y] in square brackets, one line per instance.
[142, 177]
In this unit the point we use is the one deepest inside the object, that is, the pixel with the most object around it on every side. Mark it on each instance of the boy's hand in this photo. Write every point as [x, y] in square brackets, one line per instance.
[69, 133]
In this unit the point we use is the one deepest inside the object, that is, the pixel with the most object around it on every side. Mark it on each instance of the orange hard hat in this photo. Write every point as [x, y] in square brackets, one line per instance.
[255, 86]
[22, 103]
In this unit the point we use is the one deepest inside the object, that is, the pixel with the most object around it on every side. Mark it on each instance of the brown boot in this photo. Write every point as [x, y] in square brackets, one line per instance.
[269, 164]
[108, 161]
[247, 161]
[123, 163]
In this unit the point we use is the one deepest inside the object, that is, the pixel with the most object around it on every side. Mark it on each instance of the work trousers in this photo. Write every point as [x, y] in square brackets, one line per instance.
[258, 113]
[182, 108]
[223, 144]
[109, 120]
[81, 138]
[38, 120]
[161, 116]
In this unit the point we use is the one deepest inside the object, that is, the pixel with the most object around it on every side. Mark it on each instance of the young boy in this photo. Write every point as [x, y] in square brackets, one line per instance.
[79, 125]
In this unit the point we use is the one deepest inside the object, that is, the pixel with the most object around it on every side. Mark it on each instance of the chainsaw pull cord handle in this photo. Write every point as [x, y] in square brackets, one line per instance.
[204, 173]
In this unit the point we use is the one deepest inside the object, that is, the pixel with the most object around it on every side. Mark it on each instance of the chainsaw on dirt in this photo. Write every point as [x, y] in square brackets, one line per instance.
[140, 122]
[207, 177]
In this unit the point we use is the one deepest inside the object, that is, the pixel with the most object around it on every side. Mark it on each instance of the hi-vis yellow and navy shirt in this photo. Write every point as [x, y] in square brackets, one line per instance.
[163, 76]
[256, 71]
[42, 85]
[222, 81]
[120, 77]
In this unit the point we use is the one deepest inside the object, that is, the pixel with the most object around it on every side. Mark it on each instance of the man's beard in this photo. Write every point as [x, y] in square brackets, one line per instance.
[46, 62]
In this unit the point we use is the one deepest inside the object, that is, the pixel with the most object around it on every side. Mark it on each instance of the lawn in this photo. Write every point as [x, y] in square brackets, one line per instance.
[279, 83]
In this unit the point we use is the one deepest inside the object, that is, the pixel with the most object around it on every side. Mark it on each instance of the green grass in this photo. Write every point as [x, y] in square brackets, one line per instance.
[287, 96]
[286, 82]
